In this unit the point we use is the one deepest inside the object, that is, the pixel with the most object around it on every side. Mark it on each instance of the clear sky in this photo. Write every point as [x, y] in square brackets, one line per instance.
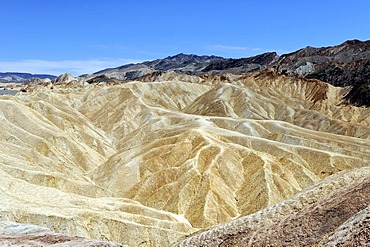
[83, 36]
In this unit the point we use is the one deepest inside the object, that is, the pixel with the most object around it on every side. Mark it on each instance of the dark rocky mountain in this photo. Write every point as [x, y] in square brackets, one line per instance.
[21, 77]
[195, 65]
[243, 65]
[183, 63]
[347, 64]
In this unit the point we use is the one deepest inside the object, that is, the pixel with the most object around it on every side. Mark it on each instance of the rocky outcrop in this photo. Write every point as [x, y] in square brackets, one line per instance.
[65, 79]
[99, 79]
[355, 231]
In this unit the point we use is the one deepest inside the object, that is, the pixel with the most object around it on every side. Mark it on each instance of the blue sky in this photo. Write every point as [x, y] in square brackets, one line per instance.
[83, 36]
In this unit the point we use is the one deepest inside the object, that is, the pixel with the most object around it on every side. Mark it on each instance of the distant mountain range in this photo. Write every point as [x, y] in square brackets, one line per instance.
[21, 77]
[347, 64]
[191, 64]
[342, 65]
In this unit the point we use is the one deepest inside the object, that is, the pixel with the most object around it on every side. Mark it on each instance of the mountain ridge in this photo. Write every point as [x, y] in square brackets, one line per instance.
[344, 65]
[182, 58]
[21, 77]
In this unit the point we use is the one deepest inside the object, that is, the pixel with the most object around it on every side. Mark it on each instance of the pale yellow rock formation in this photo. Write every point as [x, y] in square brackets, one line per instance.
[118, 219]
[150, 157]
[316, 213]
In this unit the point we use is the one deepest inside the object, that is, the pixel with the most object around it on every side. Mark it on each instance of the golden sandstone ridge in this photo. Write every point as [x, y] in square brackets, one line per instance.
[151, 163]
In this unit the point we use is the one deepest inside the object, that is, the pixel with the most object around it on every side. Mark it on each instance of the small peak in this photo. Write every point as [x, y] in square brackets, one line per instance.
[352, 42]
[180, 55]
[64, 78]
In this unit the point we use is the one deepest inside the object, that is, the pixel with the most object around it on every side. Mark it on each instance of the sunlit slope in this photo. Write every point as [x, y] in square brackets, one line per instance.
[51, 147]
[106, 218]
